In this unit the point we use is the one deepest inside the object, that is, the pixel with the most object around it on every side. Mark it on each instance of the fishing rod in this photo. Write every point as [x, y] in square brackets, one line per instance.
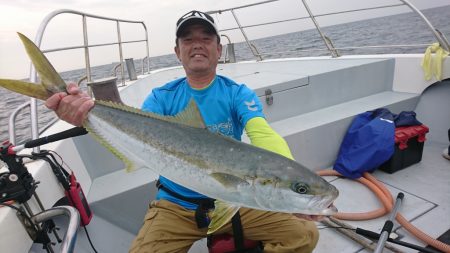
[73, 132]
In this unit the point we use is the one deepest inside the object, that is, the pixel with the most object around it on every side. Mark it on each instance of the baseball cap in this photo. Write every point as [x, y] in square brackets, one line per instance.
[195, 17]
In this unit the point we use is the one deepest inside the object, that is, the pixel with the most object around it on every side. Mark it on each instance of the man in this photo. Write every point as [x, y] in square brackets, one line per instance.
[171, 223]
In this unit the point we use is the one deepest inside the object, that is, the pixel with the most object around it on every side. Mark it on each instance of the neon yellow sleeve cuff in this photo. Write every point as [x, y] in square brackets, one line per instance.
[263, 136]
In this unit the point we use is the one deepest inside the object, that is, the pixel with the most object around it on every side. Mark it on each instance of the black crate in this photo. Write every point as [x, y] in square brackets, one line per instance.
[409, 142]
[404, 158]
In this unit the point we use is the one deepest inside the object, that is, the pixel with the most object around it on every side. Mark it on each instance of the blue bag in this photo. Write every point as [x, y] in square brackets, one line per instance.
[406, 118]
[369, 142]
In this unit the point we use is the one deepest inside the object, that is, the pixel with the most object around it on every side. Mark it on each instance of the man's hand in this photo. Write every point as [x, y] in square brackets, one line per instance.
[310, 217]
[72, 106]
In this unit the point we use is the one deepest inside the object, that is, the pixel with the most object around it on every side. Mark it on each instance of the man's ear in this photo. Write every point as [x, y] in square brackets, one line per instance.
[219, 49]
[177, 52]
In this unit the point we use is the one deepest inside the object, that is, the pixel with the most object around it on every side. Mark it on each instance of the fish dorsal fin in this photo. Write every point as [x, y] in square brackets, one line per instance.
[190, 116]
[222, 214]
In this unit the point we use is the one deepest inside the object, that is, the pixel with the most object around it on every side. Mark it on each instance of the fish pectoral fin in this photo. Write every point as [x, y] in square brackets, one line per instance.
[50, 79]
[222, 214]
[25, 88]
[228, 180]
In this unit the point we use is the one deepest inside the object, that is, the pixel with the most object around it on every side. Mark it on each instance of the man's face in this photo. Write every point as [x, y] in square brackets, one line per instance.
[198, 50]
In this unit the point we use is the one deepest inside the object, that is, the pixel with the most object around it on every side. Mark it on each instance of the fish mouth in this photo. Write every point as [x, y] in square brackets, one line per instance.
[325, 207]
[324, 204]
[330, 210]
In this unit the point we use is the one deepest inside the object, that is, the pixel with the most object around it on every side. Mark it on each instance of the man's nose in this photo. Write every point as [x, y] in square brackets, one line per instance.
[197, 43]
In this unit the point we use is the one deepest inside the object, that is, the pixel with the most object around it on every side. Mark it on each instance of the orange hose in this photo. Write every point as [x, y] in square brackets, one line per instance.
[419, 234]
[357, 216]
[384, 195]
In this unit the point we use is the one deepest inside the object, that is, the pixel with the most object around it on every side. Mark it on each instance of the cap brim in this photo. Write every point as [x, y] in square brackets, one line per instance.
[195, 20]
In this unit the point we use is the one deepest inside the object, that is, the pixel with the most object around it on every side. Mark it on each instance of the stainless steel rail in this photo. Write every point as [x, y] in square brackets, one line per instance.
[328, 42]
[439, 37]
[143, 64]
[252, 47]
[308, 17]
[86, 46]
[12, 121]
[68, 243]
[347, 48]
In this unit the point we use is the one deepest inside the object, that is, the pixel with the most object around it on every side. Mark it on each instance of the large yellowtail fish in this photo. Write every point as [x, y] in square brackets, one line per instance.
[181, 149]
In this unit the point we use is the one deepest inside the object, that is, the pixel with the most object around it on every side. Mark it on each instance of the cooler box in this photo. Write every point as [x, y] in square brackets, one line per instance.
[408, 148]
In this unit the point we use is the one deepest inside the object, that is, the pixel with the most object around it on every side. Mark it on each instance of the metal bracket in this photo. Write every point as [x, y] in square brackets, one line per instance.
[269, 97]
[29, 227]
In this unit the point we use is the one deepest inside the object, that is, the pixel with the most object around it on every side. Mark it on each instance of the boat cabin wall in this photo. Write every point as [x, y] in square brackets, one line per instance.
[433, 110]
[347, 80]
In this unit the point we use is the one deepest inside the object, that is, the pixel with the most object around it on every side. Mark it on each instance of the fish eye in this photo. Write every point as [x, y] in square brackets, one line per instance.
[299, 187]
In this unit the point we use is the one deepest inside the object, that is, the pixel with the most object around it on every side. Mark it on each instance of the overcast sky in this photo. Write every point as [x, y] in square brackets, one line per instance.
[159, 15]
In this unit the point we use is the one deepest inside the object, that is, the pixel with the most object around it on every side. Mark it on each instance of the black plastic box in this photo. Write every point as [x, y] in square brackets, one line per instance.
[408, 148]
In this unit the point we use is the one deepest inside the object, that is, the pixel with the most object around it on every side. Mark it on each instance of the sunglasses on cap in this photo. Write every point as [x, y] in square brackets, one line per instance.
[198, 14]
[195, 16]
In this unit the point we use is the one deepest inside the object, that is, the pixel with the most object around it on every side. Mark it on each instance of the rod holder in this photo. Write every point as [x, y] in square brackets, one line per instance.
[131, 69]
[106, 89]
[230, 52]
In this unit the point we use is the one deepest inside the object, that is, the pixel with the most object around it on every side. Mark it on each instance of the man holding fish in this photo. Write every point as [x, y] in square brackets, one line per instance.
[176, 219]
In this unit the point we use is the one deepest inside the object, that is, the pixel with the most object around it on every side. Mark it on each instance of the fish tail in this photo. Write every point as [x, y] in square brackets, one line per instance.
[51, 81]
[28, 89]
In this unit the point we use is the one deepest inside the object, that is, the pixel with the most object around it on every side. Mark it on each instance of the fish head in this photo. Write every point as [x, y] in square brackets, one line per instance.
[312, 197]
[299, 192]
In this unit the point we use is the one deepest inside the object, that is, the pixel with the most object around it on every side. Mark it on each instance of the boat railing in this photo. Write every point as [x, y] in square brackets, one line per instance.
[145, 60]
[69, 240]
[334, 52]
[114, 69]
[86, 46]
[12, 121]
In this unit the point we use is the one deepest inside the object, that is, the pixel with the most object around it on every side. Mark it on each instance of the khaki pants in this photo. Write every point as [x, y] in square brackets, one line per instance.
[171, 228]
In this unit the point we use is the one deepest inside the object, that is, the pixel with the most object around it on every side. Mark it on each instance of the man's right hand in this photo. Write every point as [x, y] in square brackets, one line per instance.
[72, 106]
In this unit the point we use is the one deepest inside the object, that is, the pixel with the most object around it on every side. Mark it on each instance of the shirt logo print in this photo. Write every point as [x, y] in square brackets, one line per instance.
[225, 128]
[251, 105]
